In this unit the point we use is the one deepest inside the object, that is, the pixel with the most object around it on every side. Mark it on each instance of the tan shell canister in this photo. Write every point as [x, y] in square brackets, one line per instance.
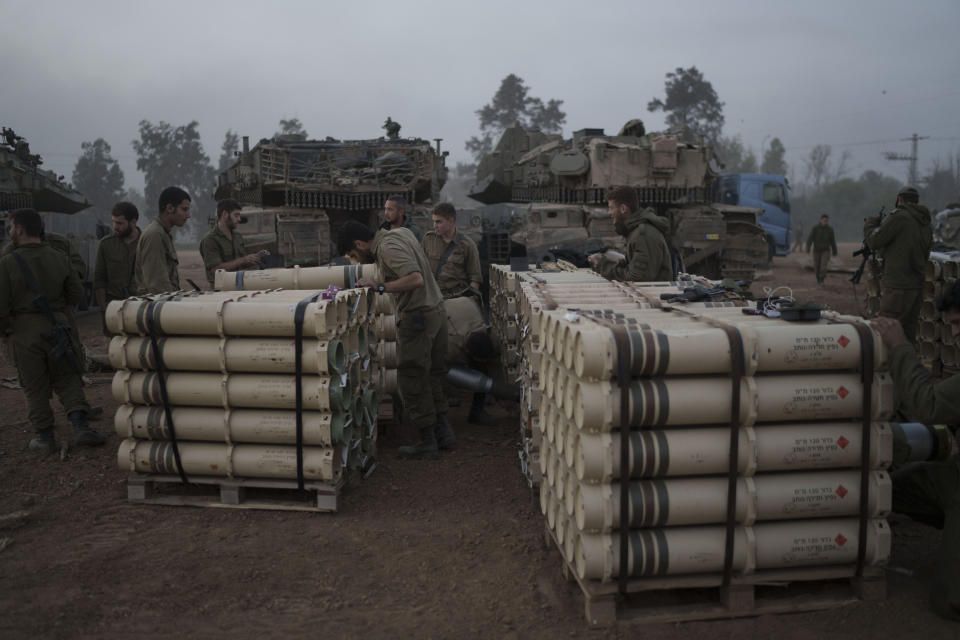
[234, 461]
[768, 398]
[262, 426]
[767, 545]
[260, 355]
[229, 390]
[689, 452]
[345, 277]
[688, 501]
[202, 317]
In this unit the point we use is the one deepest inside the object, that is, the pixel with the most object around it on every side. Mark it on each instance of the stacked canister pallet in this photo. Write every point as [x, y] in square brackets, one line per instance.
[228, 382]
[935, 342]
[738, 427]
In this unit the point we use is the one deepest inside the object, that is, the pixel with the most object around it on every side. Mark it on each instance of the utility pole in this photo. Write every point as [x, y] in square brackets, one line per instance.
[912, 158]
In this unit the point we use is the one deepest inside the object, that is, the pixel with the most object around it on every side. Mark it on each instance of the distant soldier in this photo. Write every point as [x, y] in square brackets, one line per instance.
[823, 241]
[37, 284]
[421, 327]
[469, 344]
[453, 257]
[222, 247]
[903, 240]
[117, 256]
[395, 216]
[157, 264]
[392, 128]
[648, 254]
[798, 237]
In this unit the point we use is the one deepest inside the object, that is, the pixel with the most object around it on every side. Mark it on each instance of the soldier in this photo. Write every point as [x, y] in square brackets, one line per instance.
[157, 264]
[469, 344]
[221, 248]
[903, 239]
[823, 241]
[929, 492]
[37, 284]
[648, 254]
[798, 237]
[116, 257]
[453, 257]
[421, 327]
[395, 216]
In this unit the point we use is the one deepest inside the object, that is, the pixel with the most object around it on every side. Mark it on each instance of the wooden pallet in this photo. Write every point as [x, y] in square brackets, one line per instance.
[234, 493]
[701, 597]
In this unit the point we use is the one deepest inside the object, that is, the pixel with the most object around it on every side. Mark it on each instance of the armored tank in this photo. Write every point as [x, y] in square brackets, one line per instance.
[556, 189]
[946, 228]
[297, 193]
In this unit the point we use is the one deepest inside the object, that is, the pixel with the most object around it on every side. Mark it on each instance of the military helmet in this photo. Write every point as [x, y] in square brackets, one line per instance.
[909, 191]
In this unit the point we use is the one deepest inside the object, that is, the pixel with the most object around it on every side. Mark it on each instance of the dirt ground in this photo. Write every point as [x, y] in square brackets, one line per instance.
[448, 548]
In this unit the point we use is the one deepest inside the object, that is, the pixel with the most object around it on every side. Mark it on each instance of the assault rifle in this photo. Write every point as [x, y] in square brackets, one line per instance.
[866, 252]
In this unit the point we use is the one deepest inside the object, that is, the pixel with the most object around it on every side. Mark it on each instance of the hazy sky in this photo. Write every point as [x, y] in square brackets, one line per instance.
[857, 75]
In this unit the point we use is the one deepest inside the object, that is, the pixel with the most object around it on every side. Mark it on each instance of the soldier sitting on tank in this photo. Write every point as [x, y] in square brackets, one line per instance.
[453, 257]
[395, 216]
[223, 248]
[392, 128]
[647, 254]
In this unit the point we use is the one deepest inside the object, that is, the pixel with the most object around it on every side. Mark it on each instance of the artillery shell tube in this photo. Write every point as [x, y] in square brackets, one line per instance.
[767, 545]
[314, 278]
[688, 501]
[688, 452]
[245, 390]
[260, 355]
[222, 460]
[260, 426]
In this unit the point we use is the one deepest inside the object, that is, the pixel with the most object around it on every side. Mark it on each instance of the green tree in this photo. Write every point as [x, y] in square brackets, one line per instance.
[98, 176]
[734, 156]
[690, 102]
[773, 159]
[228, 150]
[174, 156]
[291, 127]
[512, 104]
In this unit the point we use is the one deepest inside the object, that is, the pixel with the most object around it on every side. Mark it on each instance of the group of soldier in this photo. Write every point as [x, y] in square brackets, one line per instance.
[435, 278]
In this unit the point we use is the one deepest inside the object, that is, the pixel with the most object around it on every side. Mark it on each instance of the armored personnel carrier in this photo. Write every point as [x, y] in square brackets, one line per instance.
[297, 193]
[557, 189]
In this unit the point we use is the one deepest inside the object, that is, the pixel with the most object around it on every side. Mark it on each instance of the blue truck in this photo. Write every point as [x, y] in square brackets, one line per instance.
[761, 191]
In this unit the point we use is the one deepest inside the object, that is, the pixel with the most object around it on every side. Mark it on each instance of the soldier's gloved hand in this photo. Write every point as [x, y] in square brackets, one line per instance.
[253, 260]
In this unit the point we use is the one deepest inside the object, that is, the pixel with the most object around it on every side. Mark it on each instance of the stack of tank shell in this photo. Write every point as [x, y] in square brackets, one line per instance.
[518, 297]
[229, 359]
[798, 468]
[935, 342]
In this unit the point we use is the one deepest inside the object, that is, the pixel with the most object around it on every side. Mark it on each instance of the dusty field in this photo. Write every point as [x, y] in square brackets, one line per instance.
[427, 549]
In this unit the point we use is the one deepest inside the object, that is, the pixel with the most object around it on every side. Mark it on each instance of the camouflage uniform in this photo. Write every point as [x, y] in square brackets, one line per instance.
[903, 239]
[30, 329]
[421, 326]
[408, 223]
[824, 242]
[157, 264]
[461, 267]
[216, 248]
[113, 268]
[648, 255]
[930, 491]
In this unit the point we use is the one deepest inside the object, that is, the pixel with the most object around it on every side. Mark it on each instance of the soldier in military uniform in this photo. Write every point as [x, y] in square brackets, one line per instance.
[453, 257]
[903, 239]
[395, 216]
[421, 327]
[929, 492]
[157, 264]
[648, 254]
[116, 256]
[823, 241]
[798, 237]
[37, 284]
[469, 344]
[222, 248]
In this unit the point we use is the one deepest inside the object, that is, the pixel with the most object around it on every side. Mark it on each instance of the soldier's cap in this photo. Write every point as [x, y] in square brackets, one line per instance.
[908, 191]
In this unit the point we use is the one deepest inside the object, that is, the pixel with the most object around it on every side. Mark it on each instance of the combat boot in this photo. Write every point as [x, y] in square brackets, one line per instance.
[444, 432]
[83, 435]
[425, 449]
[478, 414]
[44, 443]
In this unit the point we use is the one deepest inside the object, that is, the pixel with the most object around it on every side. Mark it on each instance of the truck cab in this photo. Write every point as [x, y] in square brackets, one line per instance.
[762, 191]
